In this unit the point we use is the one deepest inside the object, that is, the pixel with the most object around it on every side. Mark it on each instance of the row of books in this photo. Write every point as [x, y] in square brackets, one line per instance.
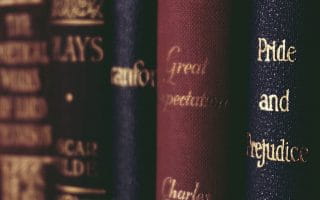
[165, 100]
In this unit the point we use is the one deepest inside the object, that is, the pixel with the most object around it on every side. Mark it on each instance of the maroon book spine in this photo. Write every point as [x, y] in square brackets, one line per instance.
[193, 99]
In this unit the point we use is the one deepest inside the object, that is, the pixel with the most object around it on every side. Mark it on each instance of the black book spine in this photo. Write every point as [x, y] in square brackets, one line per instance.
[78, 101]
[132, 81]
[25, 132]
[278, 138]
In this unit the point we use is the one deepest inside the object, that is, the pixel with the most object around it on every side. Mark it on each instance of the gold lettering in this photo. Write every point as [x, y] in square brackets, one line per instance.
[75, 48]
[73, 167]
[137, 76]
[274, 103]
[20, 135]
[18, 24]
[70, 50]
[20, 80]
[26, 108]
[81, 45]
[189, 100]
[22, 177]
[302, 153]
[70, 147]
[19, 52]
[96, 45]
[282, 152]
[77, 157]
[279, 52]
[5, 107]
[170, 192]
[74, 12]
[183, 68]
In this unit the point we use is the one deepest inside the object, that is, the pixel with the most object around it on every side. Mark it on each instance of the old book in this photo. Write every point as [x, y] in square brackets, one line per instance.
[193, 99]
[25, 132]
[78, 101]
[278, 136]
[133, 106]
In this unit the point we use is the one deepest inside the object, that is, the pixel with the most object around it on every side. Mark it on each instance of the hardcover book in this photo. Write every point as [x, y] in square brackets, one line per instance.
[278, 136]
[78, 99]
[133, 95]
[25, 133]
[193, 99]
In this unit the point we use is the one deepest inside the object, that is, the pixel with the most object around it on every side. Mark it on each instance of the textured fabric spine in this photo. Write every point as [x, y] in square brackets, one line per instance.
[278, 135]
[193, 99]
[133, 106]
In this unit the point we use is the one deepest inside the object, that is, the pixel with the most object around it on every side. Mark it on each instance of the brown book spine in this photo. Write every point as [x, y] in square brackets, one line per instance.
[25, 132]
[192, 99]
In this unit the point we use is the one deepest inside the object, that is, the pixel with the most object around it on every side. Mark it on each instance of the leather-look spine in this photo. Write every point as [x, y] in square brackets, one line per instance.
[78, 98]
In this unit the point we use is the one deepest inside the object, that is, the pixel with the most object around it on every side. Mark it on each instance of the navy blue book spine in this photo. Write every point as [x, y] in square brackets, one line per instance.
[132, 82]
[278, 138]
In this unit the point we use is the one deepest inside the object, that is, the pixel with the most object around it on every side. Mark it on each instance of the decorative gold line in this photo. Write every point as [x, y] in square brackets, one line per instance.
[76, 22]
[45, 159]
[5, 3]
[79, 190]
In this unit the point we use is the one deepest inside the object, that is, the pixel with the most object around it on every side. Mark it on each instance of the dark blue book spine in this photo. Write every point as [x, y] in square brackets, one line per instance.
[278, 137]
[132, 81]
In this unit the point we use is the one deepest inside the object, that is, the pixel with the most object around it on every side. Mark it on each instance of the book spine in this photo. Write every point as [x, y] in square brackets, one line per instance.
[193, 99]
[132, 82]
[78, 99]
[25, 132]
[277, 138]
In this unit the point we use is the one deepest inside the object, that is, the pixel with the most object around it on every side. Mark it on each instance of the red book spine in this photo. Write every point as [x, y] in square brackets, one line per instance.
[192, 99]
